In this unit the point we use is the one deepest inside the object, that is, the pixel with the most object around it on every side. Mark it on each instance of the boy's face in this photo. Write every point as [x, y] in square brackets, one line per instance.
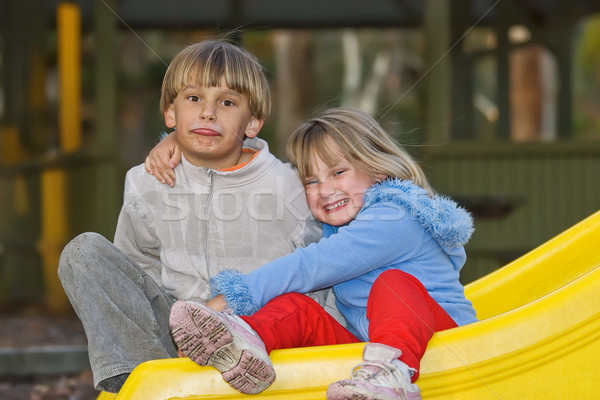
[335, 193]
[211, 124]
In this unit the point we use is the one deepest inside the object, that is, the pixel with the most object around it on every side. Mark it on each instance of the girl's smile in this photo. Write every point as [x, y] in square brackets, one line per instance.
[337, 205]
[335, 192]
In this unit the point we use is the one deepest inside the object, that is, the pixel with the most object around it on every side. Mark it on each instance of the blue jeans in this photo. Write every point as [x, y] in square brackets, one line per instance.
[124, 312]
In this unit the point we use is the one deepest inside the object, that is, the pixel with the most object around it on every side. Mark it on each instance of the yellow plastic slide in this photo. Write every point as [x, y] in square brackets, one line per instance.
[538, 338]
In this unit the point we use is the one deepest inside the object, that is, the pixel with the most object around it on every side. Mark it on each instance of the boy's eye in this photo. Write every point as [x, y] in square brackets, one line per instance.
[338, 173]
[194, 99]
[228, 103]
[310, 182]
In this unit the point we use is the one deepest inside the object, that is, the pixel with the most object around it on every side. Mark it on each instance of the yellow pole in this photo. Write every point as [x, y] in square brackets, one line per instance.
[54, 233]
[54, 181]
[11, 153]
[69, 32]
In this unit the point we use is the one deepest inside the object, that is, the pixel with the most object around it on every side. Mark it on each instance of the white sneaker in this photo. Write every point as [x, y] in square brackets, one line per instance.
[224, 341]
[381, 376]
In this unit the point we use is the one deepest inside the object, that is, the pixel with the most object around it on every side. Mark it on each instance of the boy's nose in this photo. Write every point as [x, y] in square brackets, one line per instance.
[207, 113]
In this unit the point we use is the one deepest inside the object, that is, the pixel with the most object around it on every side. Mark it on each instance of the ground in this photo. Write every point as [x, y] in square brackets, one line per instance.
[30, 327]
[53, 387]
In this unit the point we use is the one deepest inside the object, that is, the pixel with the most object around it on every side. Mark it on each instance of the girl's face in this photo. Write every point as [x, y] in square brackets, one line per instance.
[335, 193]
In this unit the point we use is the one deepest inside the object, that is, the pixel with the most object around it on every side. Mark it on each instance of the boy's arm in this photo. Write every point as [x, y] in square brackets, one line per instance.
[135, 235]
[135, 240]
[163, 158]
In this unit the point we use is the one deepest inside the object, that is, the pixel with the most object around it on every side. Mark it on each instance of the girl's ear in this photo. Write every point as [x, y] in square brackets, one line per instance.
[380, 178]
[254, 126]
[170, 117]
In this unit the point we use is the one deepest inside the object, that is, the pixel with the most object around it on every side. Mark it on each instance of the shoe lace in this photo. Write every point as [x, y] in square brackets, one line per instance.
[381, 372]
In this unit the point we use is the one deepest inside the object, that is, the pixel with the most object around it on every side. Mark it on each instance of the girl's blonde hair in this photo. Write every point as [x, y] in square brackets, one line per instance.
[206, 62]
[354, 135]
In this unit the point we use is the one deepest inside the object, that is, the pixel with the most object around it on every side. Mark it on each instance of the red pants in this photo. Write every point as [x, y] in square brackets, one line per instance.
[400, 311]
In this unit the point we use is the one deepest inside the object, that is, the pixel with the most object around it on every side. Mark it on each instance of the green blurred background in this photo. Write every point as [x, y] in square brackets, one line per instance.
[499, 101]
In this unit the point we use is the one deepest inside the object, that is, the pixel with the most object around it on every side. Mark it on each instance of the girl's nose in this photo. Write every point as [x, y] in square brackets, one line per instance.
[326, 189]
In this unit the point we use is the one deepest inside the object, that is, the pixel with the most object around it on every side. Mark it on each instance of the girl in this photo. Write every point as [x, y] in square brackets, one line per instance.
[392, 250]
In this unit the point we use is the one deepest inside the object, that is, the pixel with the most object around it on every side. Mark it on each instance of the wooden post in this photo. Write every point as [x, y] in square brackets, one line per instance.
[461, 92]
[503, 71]
[107, 186]
[564, 55]
[438, 66]
[54, 180]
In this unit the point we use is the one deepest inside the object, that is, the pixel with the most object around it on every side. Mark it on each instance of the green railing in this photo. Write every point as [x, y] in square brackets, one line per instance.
[520, 194]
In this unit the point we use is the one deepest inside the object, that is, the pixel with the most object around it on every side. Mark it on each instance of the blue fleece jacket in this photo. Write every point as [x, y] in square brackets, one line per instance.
[399, 226]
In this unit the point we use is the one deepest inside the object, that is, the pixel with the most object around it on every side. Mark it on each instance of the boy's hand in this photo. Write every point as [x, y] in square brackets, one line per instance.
[163, 158]
[217, 303]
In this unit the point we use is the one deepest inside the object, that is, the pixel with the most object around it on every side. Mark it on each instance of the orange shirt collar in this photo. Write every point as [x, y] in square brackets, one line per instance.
[236, 167]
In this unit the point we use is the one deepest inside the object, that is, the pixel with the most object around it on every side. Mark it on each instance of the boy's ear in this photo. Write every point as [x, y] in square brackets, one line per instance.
[170, 117]
[254, 127]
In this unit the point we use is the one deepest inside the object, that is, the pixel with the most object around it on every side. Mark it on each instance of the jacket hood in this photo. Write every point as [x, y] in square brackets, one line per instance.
[450, 225]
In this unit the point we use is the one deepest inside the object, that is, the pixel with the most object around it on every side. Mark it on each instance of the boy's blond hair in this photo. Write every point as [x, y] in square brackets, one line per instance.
[354, 135]
[206, 62]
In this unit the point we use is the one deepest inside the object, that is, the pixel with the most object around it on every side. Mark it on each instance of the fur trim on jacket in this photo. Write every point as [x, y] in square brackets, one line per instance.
[450, 225]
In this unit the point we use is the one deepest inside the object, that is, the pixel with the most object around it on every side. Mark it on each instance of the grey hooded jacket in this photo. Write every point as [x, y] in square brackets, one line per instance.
[213, 220]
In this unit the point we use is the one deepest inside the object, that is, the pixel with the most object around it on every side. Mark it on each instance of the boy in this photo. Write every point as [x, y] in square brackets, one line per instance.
[234, 205]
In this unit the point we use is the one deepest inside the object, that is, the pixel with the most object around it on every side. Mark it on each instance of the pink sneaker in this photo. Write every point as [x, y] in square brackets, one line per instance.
[223, 341]
[381, 376]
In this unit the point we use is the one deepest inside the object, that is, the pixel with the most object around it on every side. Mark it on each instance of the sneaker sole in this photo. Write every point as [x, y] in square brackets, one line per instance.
[203, 337]
[345, 390]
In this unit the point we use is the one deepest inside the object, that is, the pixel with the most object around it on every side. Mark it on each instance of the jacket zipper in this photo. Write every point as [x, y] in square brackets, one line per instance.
[207, 223]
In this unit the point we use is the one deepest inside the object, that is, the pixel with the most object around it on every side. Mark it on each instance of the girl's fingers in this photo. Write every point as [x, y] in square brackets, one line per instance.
[148, 166]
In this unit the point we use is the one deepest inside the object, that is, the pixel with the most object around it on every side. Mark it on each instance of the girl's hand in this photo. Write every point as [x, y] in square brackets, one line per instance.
[163, 158]
[217, 303]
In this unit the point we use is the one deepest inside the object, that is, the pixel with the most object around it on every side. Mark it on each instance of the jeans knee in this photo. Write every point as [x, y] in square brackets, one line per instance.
[76, 251]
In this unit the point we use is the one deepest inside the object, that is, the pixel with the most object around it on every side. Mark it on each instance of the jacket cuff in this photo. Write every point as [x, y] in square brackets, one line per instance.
[232, 285]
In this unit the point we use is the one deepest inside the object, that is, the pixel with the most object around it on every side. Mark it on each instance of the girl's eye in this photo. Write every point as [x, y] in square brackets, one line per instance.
[311, 182]
[338, 173]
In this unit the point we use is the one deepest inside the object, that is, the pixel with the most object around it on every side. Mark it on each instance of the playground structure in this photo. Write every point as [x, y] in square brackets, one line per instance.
[47, 197]
[537, 338]
[525, 193]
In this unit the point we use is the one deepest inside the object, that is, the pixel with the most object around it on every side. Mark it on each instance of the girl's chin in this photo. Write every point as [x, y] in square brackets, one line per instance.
[337, 221]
